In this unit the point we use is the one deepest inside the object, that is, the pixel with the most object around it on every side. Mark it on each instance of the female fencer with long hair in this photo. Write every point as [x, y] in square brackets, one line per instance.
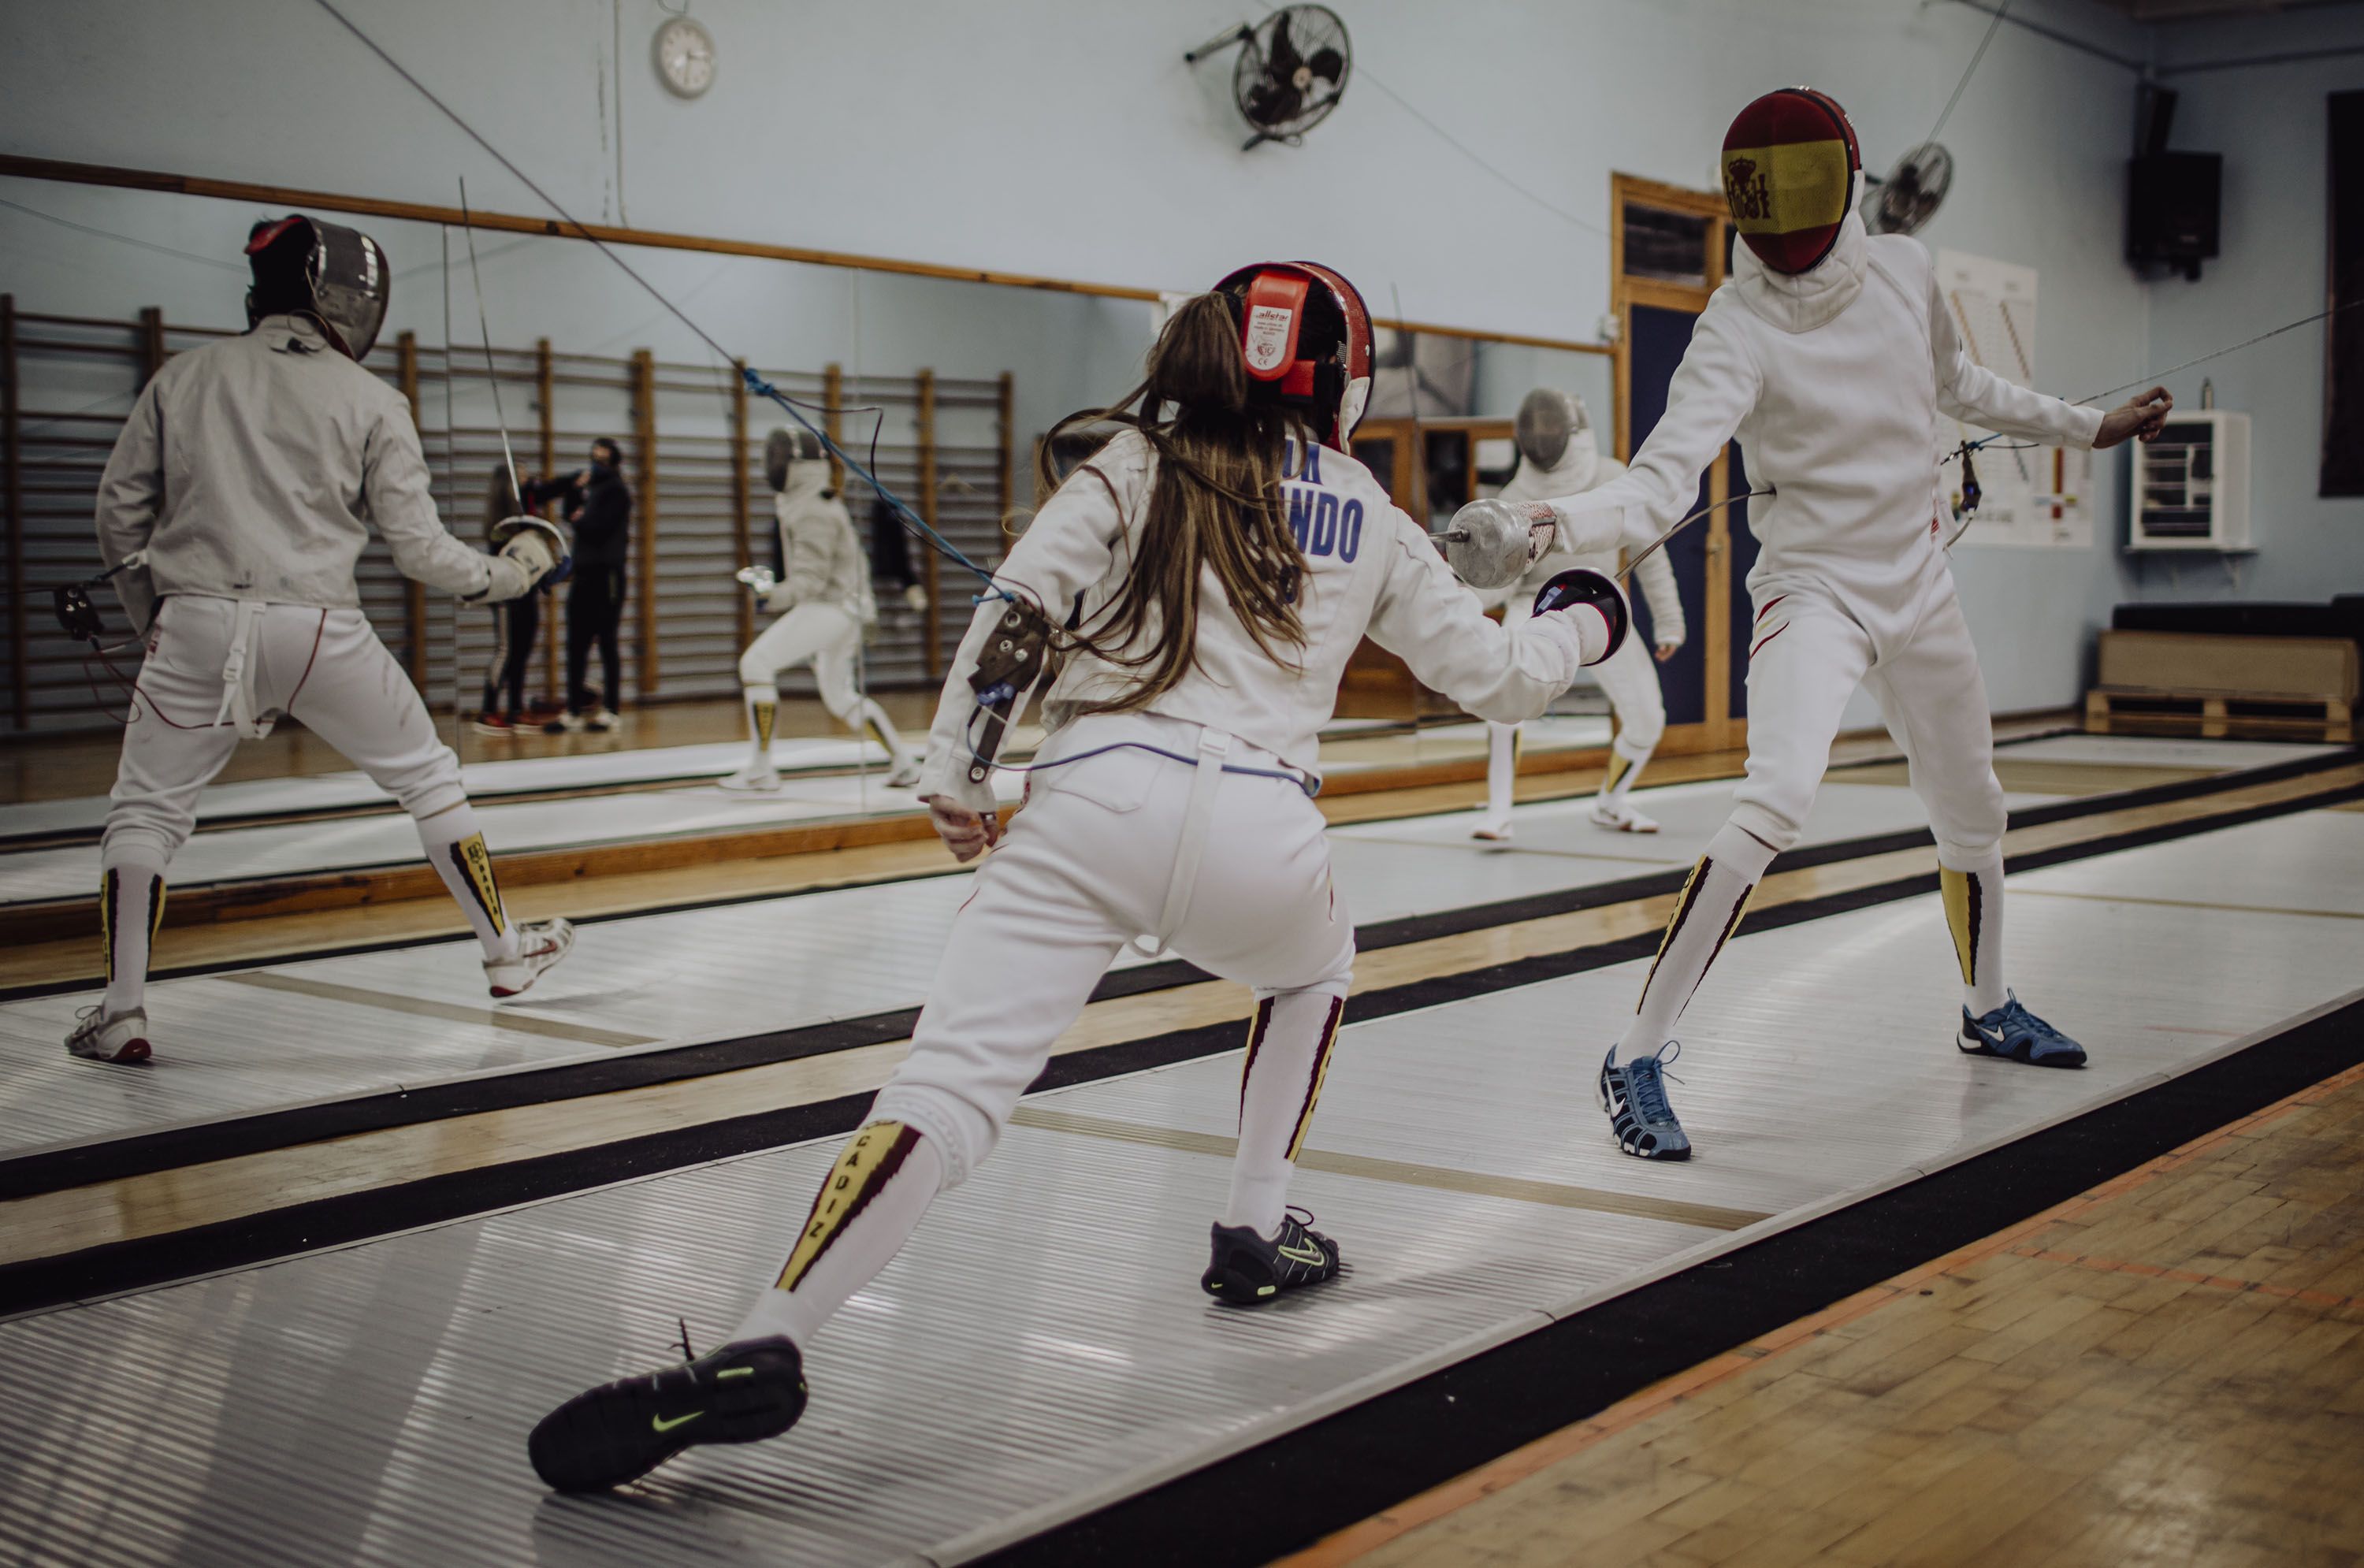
[1202, 581]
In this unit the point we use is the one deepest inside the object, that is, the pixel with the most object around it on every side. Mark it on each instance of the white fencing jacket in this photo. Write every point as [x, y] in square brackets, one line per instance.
[1835, 382]
[1369, 569]
[251, 468]
[1579, 469]
[822, 553]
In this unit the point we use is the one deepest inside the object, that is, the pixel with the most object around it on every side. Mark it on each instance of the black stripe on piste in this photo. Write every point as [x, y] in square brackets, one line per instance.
[280, 1234]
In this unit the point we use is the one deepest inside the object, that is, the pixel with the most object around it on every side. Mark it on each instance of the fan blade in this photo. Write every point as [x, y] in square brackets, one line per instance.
[1282, 56]
[1328, 63]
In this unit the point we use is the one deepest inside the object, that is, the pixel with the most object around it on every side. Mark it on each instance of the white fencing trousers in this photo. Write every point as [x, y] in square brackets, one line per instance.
[1089, 865]
[1628, 678]
[828, 638]
[1807, 656]
[327, 668]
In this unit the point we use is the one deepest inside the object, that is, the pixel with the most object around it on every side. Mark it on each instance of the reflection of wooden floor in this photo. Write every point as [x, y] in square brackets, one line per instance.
[84, 764]
[2168, 1368]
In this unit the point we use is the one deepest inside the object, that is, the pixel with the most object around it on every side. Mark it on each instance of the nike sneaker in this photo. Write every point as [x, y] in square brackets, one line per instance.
[621, 1430]
[1620, 818]
[905, 777]
[123, 1038]
[1493, 830]
[1247, 1270]
[540, 945]
[2013, 1033]
[1640, 1117]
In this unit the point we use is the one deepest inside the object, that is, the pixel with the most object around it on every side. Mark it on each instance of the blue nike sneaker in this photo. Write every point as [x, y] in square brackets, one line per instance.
[1634, 1096]
[2013, 1033]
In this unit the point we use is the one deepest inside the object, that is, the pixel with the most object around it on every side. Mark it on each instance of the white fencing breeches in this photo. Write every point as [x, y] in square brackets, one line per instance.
[1807, 658]
[325, 668]
[1089, 865]
[828, 638]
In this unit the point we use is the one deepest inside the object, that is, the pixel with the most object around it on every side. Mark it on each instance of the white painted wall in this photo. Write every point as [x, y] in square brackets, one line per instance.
[2271, 123]
[1067, 138]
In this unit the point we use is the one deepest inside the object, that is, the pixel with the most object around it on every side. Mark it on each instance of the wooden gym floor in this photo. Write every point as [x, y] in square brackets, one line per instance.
[2168, 1368]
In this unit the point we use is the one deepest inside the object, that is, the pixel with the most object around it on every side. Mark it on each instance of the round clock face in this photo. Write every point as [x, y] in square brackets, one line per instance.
[686, 57]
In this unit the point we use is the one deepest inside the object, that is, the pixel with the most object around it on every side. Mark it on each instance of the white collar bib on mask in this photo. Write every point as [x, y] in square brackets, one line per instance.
[1803, 301]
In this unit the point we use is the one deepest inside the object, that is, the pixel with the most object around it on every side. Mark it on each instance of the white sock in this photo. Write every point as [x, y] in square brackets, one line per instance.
[1972, 888]
[1625, 766]
[1705, 916]
[455, 847]
[1501, 769]
[763, 709]
[130, 905]
[1289, 1055]
[868, 1205]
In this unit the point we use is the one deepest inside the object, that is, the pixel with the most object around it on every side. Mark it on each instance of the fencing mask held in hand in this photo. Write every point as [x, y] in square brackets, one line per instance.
[1548, 420]
[1789, 167]
[335, 275]
[785, 447]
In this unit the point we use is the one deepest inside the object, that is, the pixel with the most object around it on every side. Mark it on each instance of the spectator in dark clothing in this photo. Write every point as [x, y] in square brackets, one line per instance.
[516, 624]
[598, 507]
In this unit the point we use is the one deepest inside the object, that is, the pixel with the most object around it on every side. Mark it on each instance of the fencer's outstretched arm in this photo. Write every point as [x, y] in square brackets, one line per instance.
[130, 497]
[1425, 616]
[1968, 390]
[395, 488]
[1712, 391]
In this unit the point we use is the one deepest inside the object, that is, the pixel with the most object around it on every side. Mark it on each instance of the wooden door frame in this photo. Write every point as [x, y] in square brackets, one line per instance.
[1719, 729]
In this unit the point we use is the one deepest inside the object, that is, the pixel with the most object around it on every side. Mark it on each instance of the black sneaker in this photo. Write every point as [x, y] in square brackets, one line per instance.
[621, 1430]
[1248, 1270]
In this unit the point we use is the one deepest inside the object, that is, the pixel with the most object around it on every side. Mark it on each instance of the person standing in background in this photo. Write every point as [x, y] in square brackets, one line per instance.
[516, 624]
[598, 507]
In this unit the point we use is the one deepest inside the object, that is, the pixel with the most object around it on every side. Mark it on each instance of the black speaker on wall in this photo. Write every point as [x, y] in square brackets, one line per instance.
[2171, 209]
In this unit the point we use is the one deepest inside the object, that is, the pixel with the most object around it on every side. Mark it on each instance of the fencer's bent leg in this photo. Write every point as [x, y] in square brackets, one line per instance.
[171, 750]
[357, 698]
[1809, 658]
[1934, 698]
[833, 672]
[1631, 681]
[1020, 961]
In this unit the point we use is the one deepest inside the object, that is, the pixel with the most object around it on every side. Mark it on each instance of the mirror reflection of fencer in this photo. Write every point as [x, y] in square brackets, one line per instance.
[821, 589]
[1558, 455]
[278, 445]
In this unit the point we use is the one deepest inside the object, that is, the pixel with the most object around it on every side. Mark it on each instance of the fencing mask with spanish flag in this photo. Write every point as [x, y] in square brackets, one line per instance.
[1790, 165]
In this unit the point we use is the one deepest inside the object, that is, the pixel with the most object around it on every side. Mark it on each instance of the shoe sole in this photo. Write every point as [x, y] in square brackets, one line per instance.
[1228, 1289]
[129, 1052]
[1982, 1049]
[606, 1437]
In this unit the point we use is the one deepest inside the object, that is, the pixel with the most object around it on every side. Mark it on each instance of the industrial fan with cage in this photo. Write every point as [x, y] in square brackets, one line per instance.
[1290, 73]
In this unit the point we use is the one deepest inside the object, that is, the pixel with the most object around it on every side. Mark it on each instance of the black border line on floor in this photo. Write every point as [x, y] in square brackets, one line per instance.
[141, 1153]
[392, 944]
[1286, 1494]
[278, 1234]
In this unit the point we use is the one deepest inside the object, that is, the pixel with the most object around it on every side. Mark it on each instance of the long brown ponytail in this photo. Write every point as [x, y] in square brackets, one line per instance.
[1216, 504]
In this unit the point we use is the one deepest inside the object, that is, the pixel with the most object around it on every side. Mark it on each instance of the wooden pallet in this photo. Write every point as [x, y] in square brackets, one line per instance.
[2134, 711]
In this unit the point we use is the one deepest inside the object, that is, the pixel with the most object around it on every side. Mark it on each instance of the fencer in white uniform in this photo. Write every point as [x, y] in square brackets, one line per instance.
[235, 505]
[825, 605]
[1832, 357]
[1170, 802]
[1558, 455]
